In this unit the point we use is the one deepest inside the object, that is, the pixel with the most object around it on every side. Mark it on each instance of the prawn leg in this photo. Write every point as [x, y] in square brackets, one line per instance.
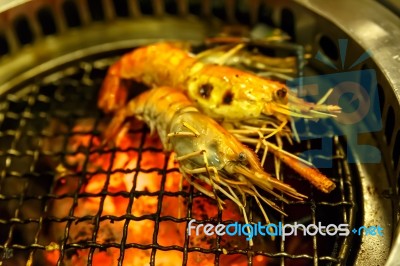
[262, 143]
[249, 135]
[197, 186]
[225, 57]
[203, 170]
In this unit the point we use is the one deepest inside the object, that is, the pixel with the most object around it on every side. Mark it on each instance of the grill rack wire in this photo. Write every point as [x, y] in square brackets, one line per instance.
[37, 107]
[37, 23]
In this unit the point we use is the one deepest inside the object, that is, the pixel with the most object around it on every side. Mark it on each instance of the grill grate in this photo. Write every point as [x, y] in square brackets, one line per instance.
[27, 179]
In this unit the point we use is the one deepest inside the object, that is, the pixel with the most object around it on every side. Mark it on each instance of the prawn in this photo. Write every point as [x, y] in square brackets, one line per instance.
[204, 149]
[232, 53]
[222, 92]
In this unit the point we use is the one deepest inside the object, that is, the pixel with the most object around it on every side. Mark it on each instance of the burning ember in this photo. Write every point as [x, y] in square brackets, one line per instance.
[119, 196]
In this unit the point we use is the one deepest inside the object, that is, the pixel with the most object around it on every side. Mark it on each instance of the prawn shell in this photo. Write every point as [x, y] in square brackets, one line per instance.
[233, 94]
[210, 140]
[158, 64]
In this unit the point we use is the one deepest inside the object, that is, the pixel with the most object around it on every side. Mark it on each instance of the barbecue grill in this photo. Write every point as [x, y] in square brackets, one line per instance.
[53, 57]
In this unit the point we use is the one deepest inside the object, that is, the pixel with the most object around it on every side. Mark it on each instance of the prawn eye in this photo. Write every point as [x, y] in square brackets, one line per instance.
[242, 158]
[228, 97]
[205, 90]
[281, 93]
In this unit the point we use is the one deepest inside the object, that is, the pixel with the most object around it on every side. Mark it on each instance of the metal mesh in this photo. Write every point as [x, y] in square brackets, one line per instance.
[27, 182]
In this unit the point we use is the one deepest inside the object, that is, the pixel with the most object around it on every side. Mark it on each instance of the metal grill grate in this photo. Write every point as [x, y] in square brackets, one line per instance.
[28, 170]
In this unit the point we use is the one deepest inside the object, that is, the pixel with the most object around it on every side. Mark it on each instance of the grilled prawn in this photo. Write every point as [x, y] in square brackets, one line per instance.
[221, 92]
[204, 149]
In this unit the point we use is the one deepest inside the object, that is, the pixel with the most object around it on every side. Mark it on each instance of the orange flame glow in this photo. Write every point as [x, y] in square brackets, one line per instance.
[111, 179]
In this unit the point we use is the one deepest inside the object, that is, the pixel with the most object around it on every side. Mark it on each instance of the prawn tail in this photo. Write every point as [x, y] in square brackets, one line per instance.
[117, 127]
[113, 93]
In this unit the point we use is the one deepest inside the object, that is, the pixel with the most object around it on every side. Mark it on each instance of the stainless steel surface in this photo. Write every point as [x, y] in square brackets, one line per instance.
[97, 38]
[393, 259]
[372, 27]
[6, 5]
